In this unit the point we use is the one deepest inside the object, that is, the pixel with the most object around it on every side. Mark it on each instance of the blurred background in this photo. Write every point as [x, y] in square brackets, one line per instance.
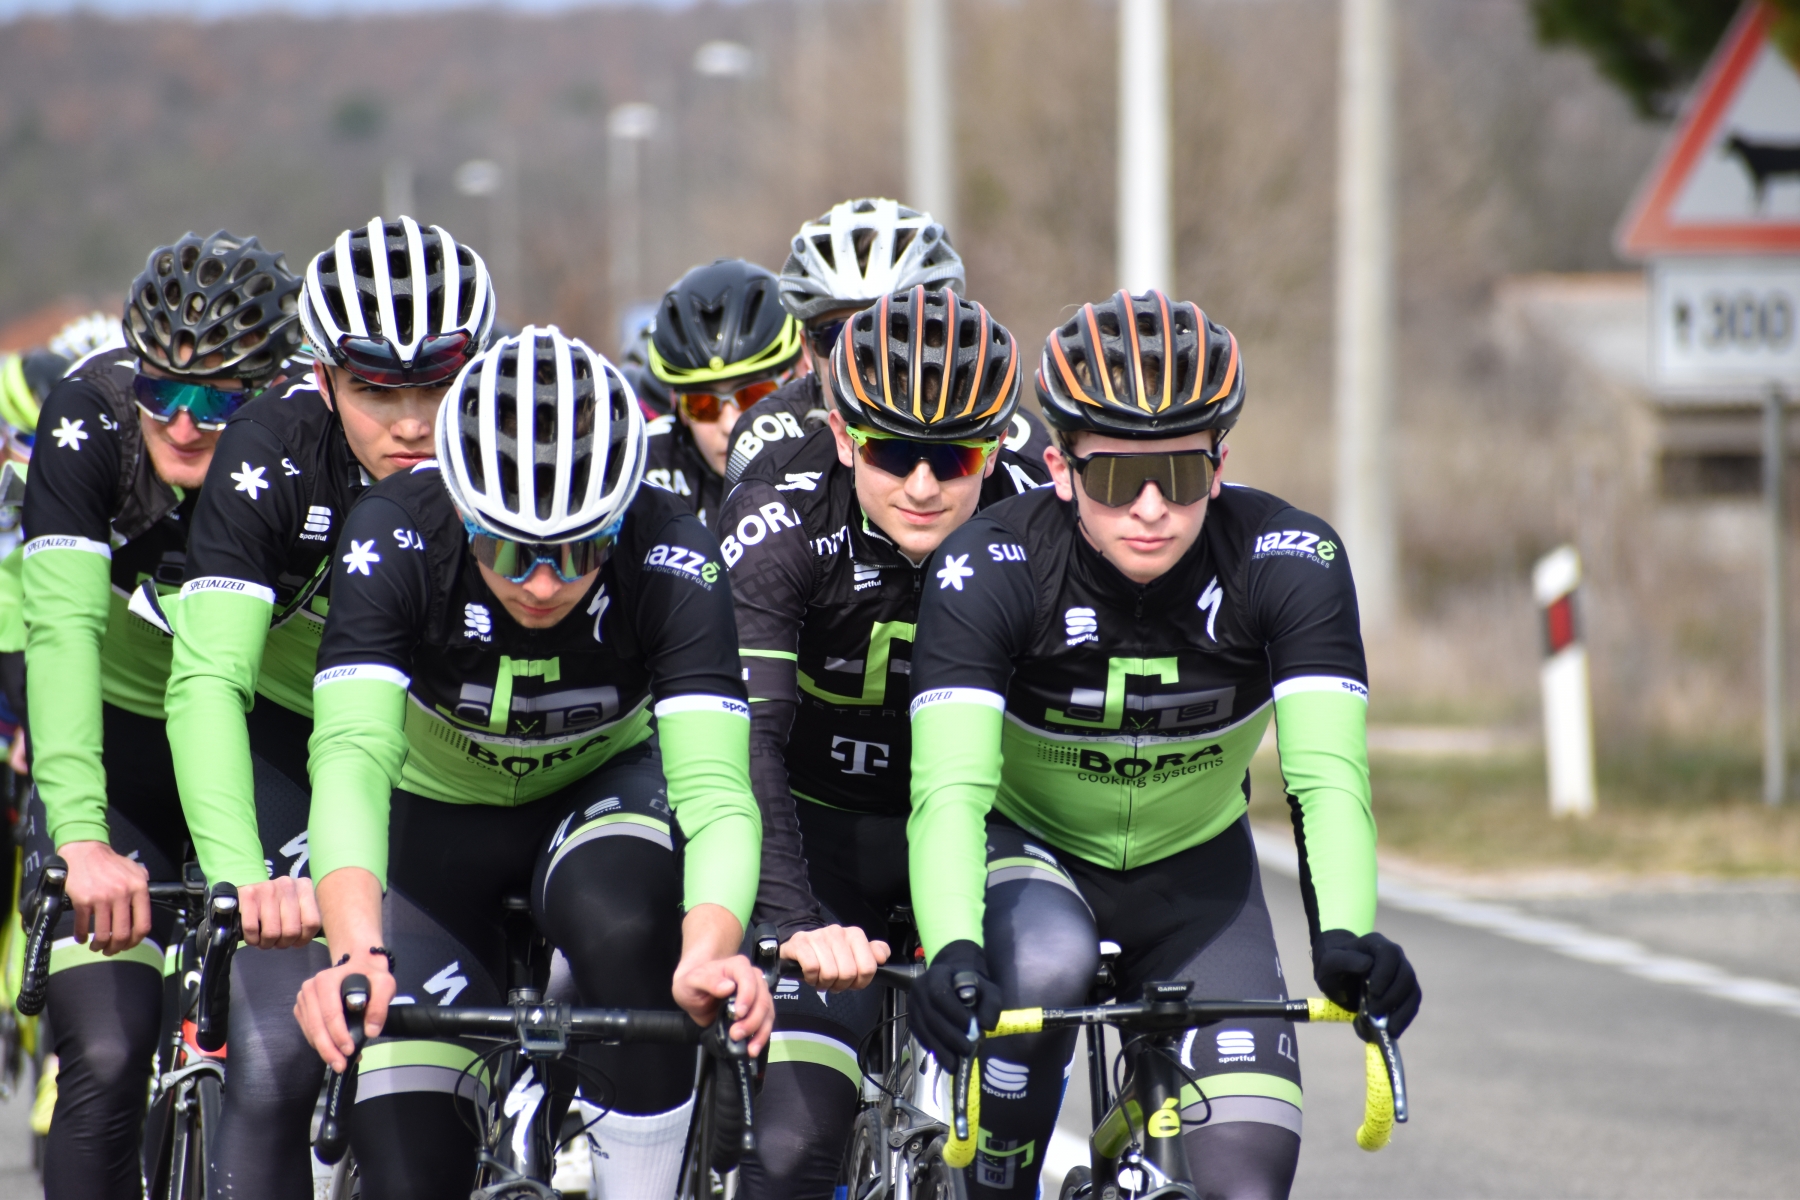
[592, 154]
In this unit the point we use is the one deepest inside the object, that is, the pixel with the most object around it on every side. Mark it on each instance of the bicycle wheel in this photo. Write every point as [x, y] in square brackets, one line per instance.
[1078, 1184]
[865, 1173]
[935, 1179]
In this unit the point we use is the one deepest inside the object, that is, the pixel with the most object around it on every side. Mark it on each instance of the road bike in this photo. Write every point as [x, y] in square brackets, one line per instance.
[189, 1073]
[518, 1120]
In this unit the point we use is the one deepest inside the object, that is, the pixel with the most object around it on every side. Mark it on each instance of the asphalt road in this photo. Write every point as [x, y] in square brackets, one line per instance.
[1532, 1074]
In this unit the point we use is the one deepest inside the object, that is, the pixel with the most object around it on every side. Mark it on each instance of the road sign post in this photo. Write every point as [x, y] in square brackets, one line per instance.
[1719, 218]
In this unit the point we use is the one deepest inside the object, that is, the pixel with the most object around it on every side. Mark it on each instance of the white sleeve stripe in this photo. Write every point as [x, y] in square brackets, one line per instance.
[981, 696]
[373, 671]
[716, 704]
[224, 583]
[1322, 683]
[54, 541]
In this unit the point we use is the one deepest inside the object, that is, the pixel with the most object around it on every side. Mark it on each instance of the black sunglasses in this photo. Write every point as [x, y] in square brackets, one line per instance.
[1115, 480]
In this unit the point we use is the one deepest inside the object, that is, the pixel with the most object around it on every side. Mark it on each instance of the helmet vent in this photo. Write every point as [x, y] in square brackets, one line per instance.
[753, 303]
[165, 264]
[712, 322]
[211, 271]
[822, 243]
[934, 333]
[1153, 376]
[190, 255]
[195, 308]
[245, 266]
[1109, 324]
[902, 239]
[863, 240]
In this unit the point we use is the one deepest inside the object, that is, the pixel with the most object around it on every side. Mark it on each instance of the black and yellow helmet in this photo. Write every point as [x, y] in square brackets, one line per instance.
[1141, 367]
[926, 365]
[722, 325]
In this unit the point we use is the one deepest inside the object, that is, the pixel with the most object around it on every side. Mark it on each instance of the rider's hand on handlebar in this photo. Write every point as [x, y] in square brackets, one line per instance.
[1344, 964]
[701, 986]
[940, 1019]
[320, 1007]
[110, 895]
[279, 913]
[836, 958]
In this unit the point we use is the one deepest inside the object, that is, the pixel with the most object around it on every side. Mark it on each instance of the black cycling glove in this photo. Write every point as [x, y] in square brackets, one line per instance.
[939, 1018]
[1344, 964]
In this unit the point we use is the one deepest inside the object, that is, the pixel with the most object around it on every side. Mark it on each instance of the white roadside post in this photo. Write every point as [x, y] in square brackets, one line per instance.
[930, 112]
[1146, 241]
[1568, 710]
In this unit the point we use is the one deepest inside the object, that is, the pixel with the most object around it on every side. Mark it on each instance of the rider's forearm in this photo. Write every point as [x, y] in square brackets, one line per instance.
[1325, 761]
[357, 749]
[955, 771]
[708, 932]
[706, 760]
[350, 906]
[68, 597]
[219, 638]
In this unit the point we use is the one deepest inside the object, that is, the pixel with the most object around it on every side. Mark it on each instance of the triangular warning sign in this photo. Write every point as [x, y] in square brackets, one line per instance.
[1728, 179]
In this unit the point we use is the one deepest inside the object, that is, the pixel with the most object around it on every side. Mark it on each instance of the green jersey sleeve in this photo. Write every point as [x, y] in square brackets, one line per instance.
[68, 600]
[706, 761]
[1321, 732]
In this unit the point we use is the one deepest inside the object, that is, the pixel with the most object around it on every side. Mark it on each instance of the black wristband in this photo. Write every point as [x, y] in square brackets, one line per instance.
[381, 950]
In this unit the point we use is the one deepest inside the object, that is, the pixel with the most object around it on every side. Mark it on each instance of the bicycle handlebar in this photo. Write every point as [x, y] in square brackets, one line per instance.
[218, 941]
[47, 909]
[1384, 1094]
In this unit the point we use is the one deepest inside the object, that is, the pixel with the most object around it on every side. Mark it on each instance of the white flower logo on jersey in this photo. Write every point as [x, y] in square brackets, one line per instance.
[1081, 625]
[362, 556]
[477, 623]
[250, 479]
[70, 434]
[956, 569]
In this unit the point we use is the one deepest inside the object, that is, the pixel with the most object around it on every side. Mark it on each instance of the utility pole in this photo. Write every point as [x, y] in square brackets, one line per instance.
[1775, 773]
[397, 190]
[930, 113]
[1145, 241]
[1365, 307]
[628, 127]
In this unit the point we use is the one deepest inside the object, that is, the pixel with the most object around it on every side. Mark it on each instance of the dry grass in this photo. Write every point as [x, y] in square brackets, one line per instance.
[1663, 811]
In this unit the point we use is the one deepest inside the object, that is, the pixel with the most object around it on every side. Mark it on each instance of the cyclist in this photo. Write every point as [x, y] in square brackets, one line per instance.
[721, 342]
[502, 620]
[839, 264]
[827, 545]
[392, 311]
[1095, 665]
[128, 435]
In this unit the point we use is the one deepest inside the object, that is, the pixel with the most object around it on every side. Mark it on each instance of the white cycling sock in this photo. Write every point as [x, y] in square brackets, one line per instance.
[636, 1157]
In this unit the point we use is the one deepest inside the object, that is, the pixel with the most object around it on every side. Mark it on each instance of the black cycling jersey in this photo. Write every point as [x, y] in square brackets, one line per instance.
[799, 407]
[1131, 711]
[282, 480]
[826, 605]
[677, 466]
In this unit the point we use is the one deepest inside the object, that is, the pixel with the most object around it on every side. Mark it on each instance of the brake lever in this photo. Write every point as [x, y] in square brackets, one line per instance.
[1374, 1030]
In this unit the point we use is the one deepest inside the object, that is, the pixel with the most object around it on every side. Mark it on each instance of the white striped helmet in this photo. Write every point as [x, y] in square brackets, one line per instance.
[397, 305]
[540, 439]
[863, 250]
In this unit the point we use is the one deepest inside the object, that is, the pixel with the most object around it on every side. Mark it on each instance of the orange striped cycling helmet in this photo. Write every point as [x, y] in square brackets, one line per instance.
[1141, 367]
[926, 365]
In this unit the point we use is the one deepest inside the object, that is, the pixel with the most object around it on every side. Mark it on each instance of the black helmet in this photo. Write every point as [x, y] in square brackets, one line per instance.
[926, 365]
[219, 307]
[1141, 367]
[634, 364]
[722, 324]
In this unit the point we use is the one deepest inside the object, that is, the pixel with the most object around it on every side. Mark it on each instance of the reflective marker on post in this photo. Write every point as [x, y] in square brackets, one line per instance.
[1568, 713]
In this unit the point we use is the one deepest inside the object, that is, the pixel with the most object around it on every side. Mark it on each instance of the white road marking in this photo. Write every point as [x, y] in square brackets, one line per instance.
[1564, 938]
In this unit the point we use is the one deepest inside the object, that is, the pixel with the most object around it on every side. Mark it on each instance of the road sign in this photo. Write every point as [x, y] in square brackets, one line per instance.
[1720, 321]
[1728, 180]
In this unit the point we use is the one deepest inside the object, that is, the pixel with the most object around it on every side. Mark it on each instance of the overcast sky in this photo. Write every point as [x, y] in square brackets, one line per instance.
[214, 9]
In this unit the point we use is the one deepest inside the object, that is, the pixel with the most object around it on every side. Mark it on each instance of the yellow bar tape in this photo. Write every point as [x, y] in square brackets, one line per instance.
[1378, 1102]
[1320, 1009]
[1018, 1020]
[959, 1154]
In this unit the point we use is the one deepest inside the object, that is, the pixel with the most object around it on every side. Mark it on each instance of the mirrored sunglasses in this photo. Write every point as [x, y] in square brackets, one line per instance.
[898, 456]
[1115, 480]
[209, 407]
[515, 561]
[377, 361]
[704, 408]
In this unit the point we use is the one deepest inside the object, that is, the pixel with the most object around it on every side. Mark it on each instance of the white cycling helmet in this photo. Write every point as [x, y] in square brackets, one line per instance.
[397, 305]
[558, 463]
[863, 250]
[84, 335]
